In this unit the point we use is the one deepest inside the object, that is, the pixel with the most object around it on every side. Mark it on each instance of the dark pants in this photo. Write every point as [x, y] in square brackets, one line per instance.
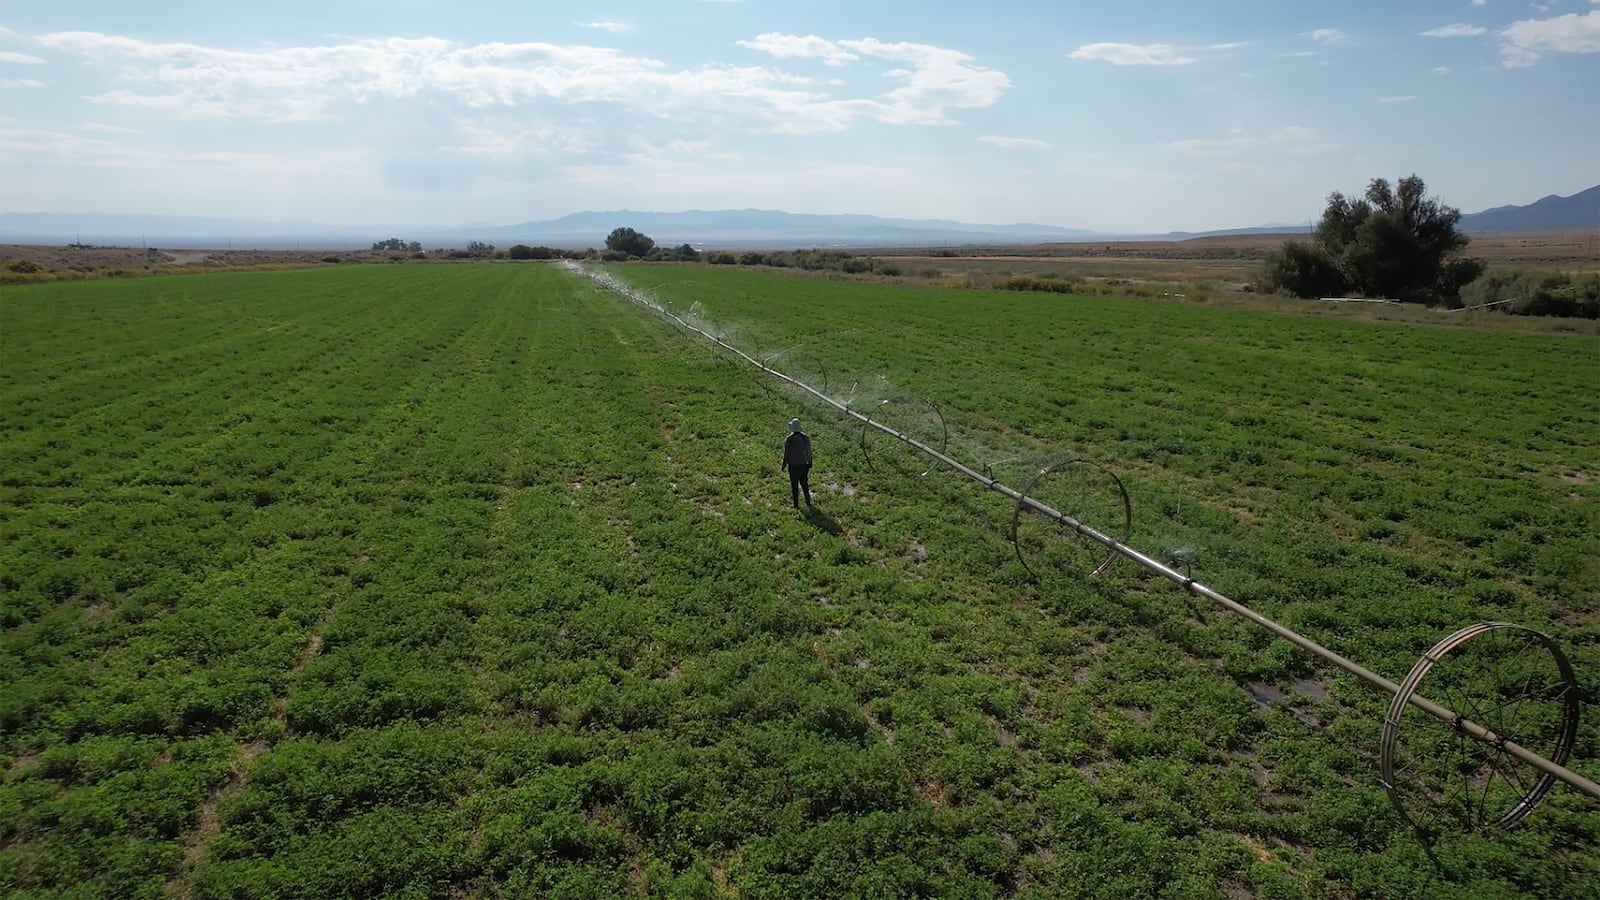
[799, 478]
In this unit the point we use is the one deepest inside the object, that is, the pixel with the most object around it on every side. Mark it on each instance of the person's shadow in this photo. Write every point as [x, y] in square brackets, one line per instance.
[822, 521]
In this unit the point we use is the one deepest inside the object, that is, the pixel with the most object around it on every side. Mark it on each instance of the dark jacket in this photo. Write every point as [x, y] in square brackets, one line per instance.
[797, 449]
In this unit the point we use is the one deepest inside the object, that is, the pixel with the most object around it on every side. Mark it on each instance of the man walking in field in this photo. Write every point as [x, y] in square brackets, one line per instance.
[797, 459]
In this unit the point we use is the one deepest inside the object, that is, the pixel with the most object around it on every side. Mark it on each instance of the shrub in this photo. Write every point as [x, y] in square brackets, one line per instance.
[1037, 283]
[1537, 294]
[1304, 270]
[24, 267]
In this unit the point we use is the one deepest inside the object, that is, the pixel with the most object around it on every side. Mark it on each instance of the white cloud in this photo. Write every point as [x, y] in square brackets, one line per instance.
[108, 129]
[1300, 140]
[296, 83]
[5, 31]
[1441, 70]
[305, 83]
[1406, 98]
[1014, 143]
[1237, 141]
[1482, 2]
[1295, 133]
[60, 148]
[676, 156]
[1521, 43]
[1229, 46]
[1454, 31]
[793, 46]
[1330, 36]
[25, 59]
[602, 25]
[1301, 54]
[480, 139]
[938, 78]
[1295, 139]
[21, 82]
[1131, 54]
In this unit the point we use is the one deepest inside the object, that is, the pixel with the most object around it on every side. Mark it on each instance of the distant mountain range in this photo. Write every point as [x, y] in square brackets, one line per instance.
[1552, 213]
[729, 228]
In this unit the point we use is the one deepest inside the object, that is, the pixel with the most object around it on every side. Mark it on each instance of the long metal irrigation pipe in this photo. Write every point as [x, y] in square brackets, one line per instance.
[1149, 563]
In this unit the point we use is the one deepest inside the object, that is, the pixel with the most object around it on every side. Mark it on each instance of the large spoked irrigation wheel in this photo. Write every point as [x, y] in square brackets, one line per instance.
[805, 368]
[1507, 678]
[910, 416]
[1085, 491]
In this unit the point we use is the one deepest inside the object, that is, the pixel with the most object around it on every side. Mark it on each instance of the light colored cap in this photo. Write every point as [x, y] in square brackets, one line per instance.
[794, 424]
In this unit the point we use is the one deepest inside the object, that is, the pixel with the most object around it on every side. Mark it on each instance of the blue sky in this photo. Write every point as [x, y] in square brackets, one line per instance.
[1115, 116]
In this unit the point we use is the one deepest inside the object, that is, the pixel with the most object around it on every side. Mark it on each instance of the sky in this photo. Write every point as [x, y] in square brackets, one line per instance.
[1132, 117]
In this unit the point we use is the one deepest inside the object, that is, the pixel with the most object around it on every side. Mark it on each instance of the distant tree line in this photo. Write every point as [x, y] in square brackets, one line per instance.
[626, 243]
[808, 260]
[399, 246]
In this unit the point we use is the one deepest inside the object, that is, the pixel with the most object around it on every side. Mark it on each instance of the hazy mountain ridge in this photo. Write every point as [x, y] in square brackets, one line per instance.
[1581, 210]
[730, 228]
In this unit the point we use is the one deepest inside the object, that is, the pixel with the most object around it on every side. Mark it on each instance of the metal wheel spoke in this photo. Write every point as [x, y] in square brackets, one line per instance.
[1508, 769]
[1483, 798]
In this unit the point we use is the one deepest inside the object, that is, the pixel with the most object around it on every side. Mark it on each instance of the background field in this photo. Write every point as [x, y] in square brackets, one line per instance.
[479, 580]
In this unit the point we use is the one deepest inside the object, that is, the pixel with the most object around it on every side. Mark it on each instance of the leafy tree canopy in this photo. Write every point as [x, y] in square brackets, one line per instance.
[626, 240]
[1394, 242]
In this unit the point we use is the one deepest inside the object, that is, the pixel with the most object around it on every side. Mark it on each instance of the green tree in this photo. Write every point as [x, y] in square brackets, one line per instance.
[1394, 242]
[523, 251]
[1304, 270]
[629, 242]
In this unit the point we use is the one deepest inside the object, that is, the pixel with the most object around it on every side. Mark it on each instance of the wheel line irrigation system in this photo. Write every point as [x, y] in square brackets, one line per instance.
[1505, 752]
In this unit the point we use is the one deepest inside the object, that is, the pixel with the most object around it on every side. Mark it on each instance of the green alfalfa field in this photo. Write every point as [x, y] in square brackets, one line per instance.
[477, 581]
